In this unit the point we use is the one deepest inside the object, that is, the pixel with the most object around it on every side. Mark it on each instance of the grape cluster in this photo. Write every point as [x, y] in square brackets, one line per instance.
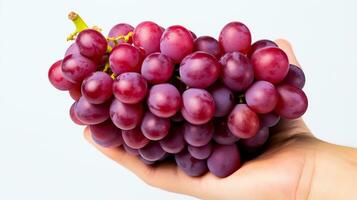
[163, 93]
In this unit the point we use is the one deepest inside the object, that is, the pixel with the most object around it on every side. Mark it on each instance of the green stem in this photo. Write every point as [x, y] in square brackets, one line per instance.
[78, 23]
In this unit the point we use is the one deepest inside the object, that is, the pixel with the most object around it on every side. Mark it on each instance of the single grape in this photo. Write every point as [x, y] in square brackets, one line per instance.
[75, 92]
[106, 134]
[235, 36]
[254, 143]
[295, 77]
[174, 142]
[222, 134]
[131, 151]
[223, 98]
[120, 29]
[125, 58]
[152, 152]
[76, 67]
[157, 68]
[292, 102]
[57, 79]
[198, 106]
[97, 88]
[89, 113]
[147, 36]
[237, 71]
[269, 119]
[190, 165]
[261, 97]
[164, 100]
[199, 70]
[74, 116]
[209, 45]
[134, 138]
[125, 116]
[243, 122]
[270, 64]
[176, 42]
[91, 43]
[202, 152]
[259, 45]
[198, 135]
[72, 49]
[130, 87]
[224, 160]
[153, 127]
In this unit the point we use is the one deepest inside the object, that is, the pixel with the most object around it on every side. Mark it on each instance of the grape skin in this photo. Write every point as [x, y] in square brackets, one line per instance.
[125, 116]
[97, 88]
[259, 45]
[76, 67]
[157, 68]
[202, 152]
[106, 134]
[130, 87]
[243, 122]
[152, 152]
[125, 58]
[120, 29]
[209, 45]
[235, 36]
[147, 35]
[223, 98]
[295, 77]
[153, 127]
[134, 138]
[224, 160]
[292, 102]
[174, 142]
[57, 79]
[198, 135]
[91, 43]
[261, 97]
[190, 165]
[89, 113]
[222, 134]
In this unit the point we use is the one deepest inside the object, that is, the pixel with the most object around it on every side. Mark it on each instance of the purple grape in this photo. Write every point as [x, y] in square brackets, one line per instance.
[209, 45]
[125, 58]
[164, 100]
[153, 127]
[223, 98]
[190, 165]
[292, 102]
[97, 88]
[152, 152]
[147, 36]
[235, 36]
[199, 70]
[125, 116]
[89, 113]
[73, 115]
[254, 143]
[259, 45]
[261, 97]
[91, 43]
[198, 135]
[222, 134]
[75, 92]
[174, 142]
[157, 68]
[198, 106]
[295, 77]
[57, 79]
[106, 134]
[118, 30]
[72, 49]
[76, 67]
[146, 162]
[130, 87]
[237, 71]
[202, 152]
[131, 151]
[270, 64]
[134, 138]
[176, 42]
[269, 119]
[243, 122]
[224, 160]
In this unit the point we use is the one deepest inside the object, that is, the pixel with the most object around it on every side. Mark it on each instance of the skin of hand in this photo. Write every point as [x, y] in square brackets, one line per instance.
[295, 165]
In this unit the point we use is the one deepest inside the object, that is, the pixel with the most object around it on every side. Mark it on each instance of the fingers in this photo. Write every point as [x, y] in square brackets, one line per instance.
[287, 48]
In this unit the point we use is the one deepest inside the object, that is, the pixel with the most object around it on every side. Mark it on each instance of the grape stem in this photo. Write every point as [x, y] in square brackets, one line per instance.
[78, 23]
[241, 98]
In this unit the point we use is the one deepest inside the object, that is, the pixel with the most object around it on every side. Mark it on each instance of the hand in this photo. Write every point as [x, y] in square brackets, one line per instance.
[295, 165]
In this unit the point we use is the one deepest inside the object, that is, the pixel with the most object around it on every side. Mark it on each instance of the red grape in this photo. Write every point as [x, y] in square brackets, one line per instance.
[125, 58]
[222, 134]
[120, 29]
[270, 64]
[75, 92]
[164, 100]
[198, 135]
[73, 115]
[176, 42]
[198, 106]
[57, 79]
[295, 77]
[269, 119]
[125, 116]
[243, 122]
[147, 36]
[76, 67]
[130, 87]
[223, 98]
[261, 97]
[292, 102]
[224, 160]
[152, 152]
[174, 142]
[259, 45]
[257, 141]
[209, 45]
[235, 36]
[89, 113]
[106, 134]
[202, 152]
[153, 127]
[237, 71]
[157, 68]
[134, 138]
[91, 43]
[72, 49]
[199, 70]
[97, 88]
[190, 165]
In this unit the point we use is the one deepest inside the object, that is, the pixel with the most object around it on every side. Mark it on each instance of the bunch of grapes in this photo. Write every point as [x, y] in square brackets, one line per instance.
[165, 94]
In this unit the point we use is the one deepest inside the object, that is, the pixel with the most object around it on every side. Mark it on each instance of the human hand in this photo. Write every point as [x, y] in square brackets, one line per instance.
[295, 165]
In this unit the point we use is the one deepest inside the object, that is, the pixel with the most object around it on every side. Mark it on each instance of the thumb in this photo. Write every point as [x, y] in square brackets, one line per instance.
[287, 48]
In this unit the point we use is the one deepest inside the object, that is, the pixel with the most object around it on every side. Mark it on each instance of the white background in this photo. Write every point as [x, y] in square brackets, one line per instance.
[43, 154]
